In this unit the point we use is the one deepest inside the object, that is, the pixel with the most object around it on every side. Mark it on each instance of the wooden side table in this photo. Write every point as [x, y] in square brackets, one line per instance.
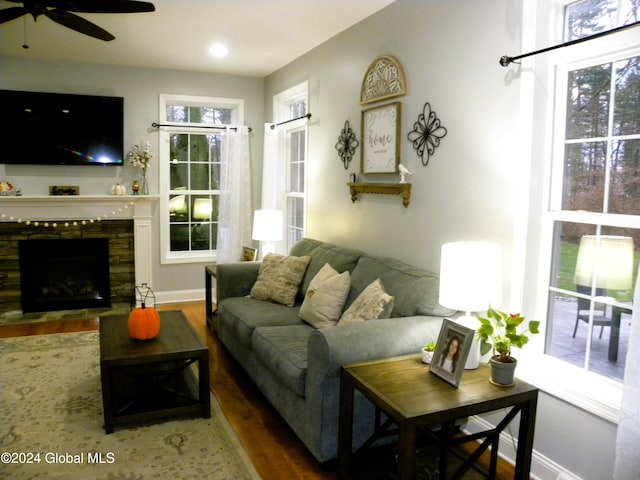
[210, 272]
[416, 401]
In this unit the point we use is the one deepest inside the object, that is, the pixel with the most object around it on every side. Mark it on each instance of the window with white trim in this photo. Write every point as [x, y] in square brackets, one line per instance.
[190, 151]
[290, 105]
[593, 216]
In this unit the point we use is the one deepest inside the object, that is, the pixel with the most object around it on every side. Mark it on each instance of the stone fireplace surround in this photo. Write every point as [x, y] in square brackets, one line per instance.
[22, 213]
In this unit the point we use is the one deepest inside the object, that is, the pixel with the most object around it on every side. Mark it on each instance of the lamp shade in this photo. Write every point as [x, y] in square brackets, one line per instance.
[202, 209]
[470, 276]
[178, 204]
[267, 225]
[610, 257]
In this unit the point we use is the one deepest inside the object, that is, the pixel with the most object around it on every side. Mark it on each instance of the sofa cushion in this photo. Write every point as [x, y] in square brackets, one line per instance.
[242, 315]
[415, 291]
[340, 258]
[325, 297]
[374, 302]
[305, 246]
[283, 351]
[279, 278]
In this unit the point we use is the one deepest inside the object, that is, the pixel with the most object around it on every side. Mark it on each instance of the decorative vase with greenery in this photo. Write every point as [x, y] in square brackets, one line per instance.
[499, 332]
[427, 351]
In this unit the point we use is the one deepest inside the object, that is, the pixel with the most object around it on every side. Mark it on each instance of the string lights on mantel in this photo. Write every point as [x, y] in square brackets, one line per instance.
[69, 223]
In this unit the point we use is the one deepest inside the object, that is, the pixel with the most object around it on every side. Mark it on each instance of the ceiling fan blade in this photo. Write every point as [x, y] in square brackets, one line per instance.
[8, 14]
[102, 6]
[79, 24]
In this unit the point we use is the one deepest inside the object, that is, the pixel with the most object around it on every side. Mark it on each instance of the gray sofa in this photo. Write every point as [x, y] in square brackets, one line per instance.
[296, 366]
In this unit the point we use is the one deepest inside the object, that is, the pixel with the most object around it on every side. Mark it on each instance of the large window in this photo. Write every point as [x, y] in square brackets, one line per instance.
[594, 206]
[288, 106]
[190, 152]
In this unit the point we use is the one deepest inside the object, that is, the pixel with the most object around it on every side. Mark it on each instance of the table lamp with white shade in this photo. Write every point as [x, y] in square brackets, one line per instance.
[267, 228]
[470, 281]
[178, 205]
[605, 262]
[202, 209]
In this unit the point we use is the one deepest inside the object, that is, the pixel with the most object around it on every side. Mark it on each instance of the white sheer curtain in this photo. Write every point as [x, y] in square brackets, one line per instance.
[273, 173]
[627, 466]
[234, 208]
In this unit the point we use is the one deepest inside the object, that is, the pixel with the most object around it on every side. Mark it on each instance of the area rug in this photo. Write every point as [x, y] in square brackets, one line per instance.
[51, 423]
[17, 317]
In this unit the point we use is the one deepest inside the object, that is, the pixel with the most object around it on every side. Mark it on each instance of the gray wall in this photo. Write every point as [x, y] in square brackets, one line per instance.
[475, 186]
[461, 193]
[140, 89]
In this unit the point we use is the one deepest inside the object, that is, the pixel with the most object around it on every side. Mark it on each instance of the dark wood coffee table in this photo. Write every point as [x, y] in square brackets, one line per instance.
[150, 380]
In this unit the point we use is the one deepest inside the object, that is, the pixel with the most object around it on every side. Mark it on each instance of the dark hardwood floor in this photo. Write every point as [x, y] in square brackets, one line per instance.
[275, 451]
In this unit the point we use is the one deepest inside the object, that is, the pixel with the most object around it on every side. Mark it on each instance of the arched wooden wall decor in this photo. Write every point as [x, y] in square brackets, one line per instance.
[384, 79]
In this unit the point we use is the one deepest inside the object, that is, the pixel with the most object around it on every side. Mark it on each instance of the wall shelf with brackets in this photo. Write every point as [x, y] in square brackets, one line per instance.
[403, 189]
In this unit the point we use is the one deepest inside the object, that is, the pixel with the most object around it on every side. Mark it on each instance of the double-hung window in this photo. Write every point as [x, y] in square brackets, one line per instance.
[190, 154]
[592, 220]
[291, 107]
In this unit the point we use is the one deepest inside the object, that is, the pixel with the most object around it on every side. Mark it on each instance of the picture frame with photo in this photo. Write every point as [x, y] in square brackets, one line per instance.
[452, 350]
[249, 254]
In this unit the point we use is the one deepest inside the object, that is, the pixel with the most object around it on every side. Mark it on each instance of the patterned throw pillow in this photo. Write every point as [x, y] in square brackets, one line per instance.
[279, 278]
[372, 303]
[325, 297]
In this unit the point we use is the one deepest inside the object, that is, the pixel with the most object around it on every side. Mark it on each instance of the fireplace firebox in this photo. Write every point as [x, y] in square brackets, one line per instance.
[64, 274]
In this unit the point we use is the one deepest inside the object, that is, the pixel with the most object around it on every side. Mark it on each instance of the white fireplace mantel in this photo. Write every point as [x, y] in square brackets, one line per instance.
[89, 208]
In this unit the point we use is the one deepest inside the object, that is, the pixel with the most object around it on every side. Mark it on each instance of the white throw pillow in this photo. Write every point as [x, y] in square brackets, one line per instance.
[325, 297]
[372, 303]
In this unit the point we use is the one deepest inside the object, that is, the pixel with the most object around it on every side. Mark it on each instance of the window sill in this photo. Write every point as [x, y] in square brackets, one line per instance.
[591, 392]
[177, 258]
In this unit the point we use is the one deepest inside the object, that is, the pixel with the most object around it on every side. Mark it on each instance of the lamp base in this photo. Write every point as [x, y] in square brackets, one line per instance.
[267, 248]
[473, 360]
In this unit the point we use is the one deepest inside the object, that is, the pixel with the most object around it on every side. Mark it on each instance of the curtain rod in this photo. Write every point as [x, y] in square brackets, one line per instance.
[218, 127]
[308, 115]
[505, 60]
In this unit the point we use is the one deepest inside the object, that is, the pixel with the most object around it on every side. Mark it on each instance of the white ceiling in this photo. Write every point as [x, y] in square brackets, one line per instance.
[262, 35]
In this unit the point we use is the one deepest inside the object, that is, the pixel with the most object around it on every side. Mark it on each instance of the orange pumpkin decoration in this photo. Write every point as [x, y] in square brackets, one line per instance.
[144, 323]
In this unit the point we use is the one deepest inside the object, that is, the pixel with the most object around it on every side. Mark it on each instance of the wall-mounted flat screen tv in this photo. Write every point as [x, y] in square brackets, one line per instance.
[60, 129]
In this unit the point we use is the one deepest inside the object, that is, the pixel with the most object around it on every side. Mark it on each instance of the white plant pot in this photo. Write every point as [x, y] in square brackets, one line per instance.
[427, 357]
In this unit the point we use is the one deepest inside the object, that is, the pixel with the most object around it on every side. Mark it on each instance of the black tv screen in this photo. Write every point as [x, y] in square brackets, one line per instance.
[61, 129]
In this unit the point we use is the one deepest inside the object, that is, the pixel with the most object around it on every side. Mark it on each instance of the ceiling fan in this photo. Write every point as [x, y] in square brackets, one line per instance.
[60, 12]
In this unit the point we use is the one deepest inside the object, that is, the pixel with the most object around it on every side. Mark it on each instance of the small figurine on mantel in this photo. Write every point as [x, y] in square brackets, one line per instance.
[135, 187]
[404, 171]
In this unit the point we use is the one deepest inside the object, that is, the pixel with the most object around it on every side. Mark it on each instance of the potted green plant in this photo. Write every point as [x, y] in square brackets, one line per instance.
[499, 332]
[427, 351]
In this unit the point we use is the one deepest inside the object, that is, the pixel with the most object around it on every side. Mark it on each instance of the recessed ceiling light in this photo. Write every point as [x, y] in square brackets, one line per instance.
[218, 50]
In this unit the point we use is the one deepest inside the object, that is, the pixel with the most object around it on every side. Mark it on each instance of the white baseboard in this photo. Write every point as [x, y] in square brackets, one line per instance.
[177, 296]
[542, 468]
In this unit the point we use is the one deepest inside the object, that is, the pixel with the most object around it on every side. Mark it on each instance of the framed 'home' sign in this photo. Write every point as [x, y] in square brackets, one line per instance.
[380, 134]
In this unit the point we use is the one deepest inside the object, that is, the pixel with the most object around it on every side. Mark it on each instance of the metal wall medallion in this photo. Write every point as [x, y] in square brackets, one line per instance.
[384, 79]
[426, 133]
[347, 144]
